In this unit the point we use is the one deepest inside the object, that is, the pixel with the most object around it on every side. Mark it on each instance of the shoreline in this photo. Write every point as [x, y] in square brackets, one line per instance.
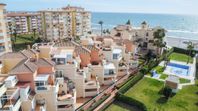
[179, 42]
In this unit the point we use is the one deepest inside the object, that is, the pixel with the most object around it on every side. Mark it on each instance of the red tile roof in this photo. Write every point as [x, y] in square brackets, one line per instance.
[85, 60]
[95, 56]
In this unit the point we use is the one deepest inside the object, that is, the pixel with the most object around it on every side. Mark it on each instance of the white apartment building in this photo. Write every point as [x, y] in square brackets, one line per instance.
[5, 41]
[142, 36]
[24, 22]
[67, 22]
[67, 57]
[33, 85]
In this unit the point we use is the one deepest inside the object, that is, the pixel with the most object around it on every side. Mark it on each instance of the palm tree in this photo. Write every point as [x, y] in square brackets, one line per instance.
[190, 47]
[101, 26]
[104, 31]
[107, 31]
[34, 32]
[159, 35]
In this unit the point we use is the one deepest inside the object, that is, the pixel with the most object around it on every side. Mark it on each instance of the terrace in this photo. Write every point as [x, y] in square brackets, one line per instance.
[91, 88]
[42, 85]
[10, 100]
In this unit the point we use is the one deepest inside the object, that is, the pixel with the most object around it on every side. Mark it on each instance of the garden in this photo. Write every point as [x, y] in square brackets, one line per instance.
[148, 91]
[23, 40]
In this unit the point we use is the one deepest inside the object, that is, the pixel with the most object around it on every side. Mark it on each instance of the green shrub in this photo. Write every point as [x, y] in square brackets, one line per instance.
[184, 51]
[182, 80]
[131, 101]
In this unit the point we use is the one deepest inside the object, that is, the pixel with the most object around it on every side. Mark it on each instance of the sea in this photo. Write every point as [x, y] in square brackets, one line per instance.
[179, 26]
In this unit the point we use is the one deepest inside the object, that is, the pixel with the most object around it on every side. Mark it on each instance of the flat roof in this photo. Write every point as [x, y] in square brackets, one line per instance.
[63, 53]
[117, 51]
[173, 78]
[43, 77]
[109, 66]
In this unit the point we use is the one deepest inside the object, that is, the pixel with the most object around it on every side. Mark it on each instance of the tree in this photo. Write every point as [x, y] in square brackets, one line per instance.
[15, 34]
[128, 22]
[149, 56]
[38, 40]
[159, 35]
[107, 31]
[167, 92]
[190, 47]
[104, 32]
[101, 26]
[34, 32]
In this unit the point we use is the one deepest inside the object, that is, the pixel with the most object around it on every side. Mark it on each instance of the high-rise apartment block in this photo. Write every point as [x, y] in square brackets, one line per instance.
[5, 42]
[67, 22]
[24, 22]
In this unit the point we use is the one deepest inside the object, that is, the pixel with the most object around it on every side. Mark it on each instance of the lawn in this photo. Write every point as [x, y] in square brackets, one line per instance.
[159, 69]
[163, 76]
[148, 92]
[180, 57]
[119, 106]
[182, 80]
[23, 40]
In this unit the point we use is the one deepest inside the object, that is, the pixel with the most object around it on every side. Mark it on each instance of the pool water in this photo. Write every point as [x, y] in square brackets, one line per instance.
[178, 66]
[177, 69]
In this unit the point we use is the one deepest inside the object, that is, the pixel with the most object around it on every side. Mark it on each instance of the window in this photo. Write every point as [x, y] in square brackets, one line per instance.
[60, 61]
[59, 73]
[40, 83]
[115, 56]
[69, 56]
[109, 71]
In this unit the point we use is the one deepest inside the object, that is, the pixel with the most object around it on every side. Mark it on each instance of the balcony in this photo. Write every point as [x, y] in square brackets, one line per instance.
[92, 85]
[10, 101]
[109, 80]
[91, 88]
[11, 81]
[2, 88]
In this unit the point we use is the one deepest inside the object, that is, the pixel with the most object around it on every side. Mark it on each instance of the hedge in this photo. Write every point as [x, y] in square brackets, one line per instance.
[184, 51]
[131, 101]
[197, 68]
[131, 82]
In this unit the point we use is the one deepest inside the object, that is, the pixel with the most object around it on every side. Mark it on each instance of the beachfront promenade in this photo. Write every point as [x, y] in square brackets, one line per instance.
[179, 42]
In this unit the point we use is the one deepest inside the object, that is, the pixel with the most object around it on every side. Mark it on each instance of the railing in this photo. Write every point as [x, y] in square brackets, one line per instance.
[12, 104]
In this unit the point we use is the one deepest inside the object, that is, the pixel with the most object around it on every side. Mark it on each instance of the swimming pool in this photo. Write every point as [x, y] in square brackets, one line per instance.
[177, 69]
[178, 66]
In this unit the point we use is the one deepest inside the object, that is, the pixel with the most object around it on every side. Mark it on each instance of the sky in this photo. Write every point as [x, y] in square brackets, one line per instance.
[127, 6]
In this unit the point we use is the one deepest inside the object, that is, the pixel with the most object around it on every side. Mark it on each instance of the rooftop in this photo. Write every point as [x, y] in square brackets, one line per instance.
[173, 78]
